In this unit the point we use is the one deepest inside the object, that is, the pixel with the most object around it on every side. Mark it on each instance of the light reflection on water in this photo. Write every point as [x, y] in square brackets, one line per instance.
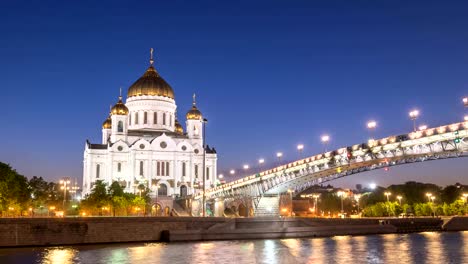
[428, 247]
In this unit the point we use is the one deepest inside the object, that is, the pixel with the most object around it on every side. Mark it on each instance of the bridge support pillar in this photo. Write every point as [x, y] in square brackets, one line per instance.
[219, 207]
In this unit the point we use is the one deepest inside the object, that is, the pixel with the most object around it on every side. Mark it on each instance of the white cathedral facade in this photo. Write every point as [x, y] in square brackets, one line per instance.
[143, 144]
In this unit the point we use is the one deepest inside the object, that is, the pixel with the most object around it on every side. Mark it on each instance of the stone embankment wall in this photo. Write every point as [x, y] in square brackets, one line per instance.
[456, 223]
[69, 231]
[90, 230]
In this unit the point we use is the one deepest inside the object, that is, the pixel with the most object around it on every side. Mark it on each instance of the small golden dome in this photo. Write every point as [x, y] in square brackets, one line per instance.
[178, 128]
[194, 113]
[107, 124]
[151, 84]
[119, 108]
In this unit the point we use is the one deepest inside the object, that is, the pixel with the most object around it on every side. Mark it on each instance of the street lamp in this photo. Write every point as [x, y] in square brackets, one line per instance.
[300, 148]
[325, 139]
[432, 198]
[341, 194]
[316, 196]
[260, 162]
[65, 182]
[399, 198]
[371, 125]
[465, 101]
[246, 167]
[290, 197]
[429, 196]
[232, 172]
[372, 186]
[465, 197]
[357, 197]
[466, 118]
[279, 155]
[388, 194]
[204, 121]
[413, 116]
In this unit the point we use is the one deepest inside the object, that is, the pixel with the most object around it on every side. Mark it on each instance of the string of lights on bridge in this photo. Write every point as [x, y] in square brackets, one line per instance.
[325, 139]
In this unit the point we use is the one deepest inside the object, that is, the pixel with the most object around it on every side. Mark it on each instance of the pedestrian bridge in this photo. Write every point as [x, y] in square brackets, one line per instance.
[449, 141]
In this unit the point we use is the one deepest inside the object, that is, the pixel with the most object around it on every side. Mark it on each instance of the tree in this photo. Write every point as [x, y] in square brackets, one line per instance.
[97, 198]
[44, 193]
[15, 194]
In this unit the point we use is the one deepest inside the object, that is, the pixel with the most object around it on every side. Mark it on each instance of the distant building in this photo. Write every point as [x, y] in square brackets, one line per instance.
[144, 145]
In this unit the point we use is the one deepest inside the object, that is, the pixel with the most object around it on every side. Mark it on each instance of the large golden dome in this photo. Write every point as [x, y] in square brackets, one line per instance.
[119, 108]
[151, 84]
[107, 124]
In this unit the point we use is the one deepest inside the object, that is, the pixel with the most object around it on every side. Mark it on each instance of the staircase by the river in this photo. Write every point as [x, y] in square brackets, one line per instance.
[268, 206]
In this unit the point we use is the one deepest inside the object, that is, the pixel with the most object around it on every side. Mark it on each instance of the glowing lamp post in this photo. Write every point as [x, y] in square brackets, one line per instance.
[399, 199]
[325, 139]
[357, 197]
[465, 197]
[246, 166]
[279, 155]
[465, 101]
[316, 196]
[232, 172]
[65, 186]
[290, 197]
[260, 163]
[429, 195]
[341, 194]
[413, 116]
[371, 125]
[388, 195]
[300, 148]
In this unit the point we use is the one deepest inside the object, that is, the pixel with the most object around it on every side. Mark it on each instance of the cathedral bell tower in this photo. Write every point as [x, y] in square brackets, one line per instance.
[194, 122]
[119, 115]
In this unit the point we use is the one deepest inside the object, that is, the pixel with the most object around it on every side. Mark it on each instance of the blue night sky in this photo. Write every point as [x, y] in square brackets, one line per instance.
[268, 75]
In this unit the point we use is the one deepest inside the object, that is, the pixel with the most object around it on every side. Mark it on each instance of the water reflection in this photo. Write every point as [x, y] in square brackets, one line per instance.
[394, 248]
[59, 255]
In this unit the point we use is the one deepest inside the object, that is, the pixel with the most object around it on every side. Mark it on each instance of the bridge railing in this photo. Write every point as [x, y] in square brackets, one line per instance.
[345, 155]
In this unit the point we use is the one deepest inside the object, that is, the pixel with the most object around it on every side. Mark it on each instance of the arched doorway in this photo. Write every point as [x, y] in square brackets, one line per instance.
[183, 190]
[162, 190]
[243, 210]
[156, 210]
[167, 211]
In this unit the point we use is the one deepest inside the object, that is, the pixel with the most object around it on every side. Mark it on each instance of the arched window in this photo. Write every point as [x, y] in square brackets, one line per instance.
[145, 118]
[162, 190]
[207, 174]
[120, 127]
[119, 167]
[136, 118]
[183, 168]
[164, 119]
[183, 190]
[130, 119]
[98, 171]
[155, 118]
[141, 168]
[196, 171]
[170, 120]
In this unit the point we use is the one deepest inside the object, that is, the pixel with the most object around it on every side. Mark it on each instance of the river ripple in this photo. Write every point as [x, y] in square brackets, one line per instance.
[428, 247]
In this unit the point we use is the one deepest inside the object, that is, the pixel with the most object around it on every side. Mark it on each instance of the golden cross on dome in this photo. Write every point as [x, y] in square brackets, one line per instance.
[194, 99]
[120, 94]
[151, 56]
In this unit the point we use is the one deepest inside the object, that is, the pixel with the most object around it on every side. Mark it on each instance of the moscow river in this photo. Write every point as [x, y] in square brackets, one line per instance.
[428, 247]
